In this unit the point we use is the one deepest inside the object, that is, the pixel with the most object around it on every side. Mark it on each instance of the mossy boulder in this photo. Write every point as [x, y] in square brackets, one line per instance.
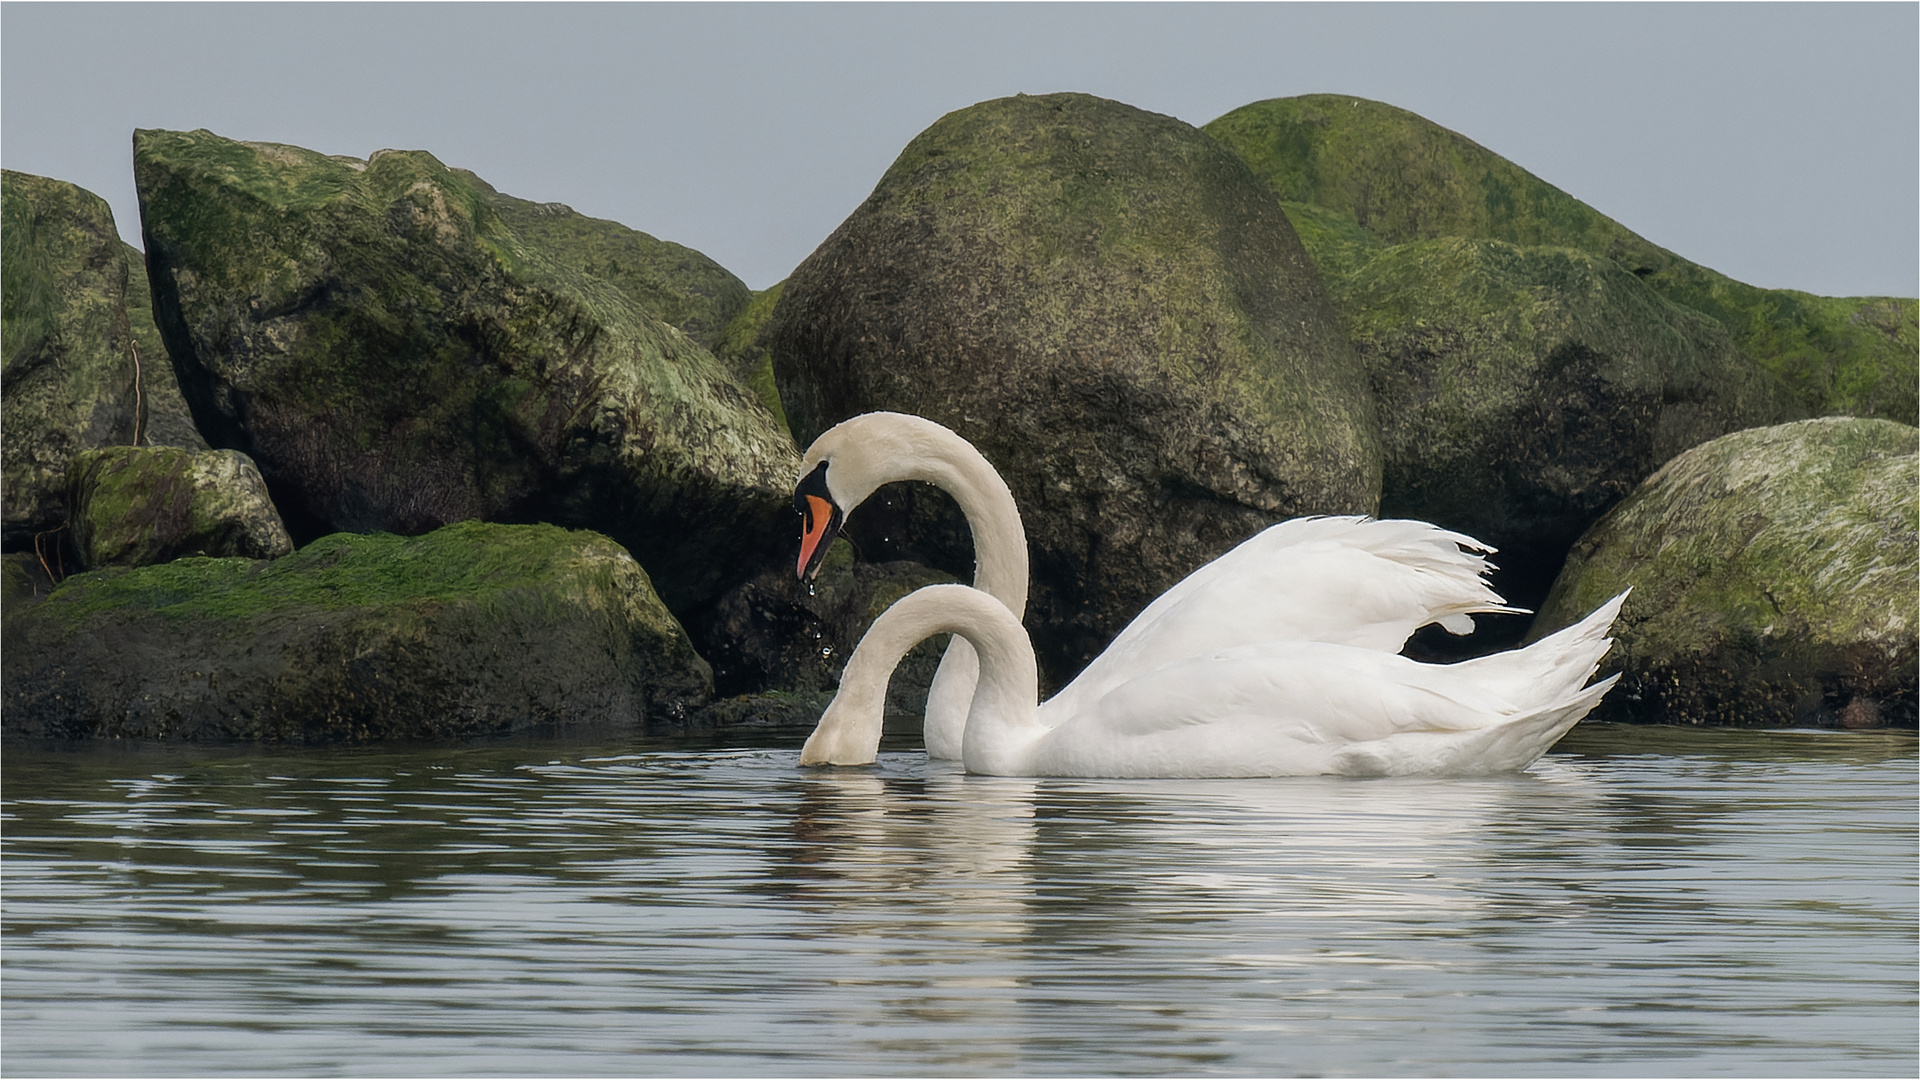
[474, 629]
[1397, 178]
[1115, 311]
[1524, 391]
[66, 355]
[670, 282]
[1774, 575]
[136, 505]
[398, 346]
[168, 421]
[742, 347]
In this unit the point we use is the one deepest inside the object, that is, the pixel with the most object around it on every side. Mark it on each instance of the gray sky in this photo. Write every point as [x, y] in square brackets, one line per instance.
[1777, 143]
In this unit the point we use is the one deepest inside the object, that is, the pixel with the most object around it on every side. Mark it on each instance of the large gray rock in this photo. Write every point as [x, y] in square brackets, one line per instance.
[473, 629]
[66, 356]
[1774, 580]
[1525, 390]
[135, 505]
[398, 346]
[1115, 311]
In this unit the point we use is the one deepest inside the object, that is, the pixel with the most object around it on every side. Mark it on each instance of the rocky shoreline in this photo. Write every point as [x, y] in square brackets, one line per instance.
[363, 450]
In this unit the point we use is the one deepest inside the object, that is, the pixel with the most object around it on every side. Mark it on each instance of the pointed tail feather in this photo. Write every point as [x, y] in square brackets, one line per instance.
[1508, 746]
[1555, 666]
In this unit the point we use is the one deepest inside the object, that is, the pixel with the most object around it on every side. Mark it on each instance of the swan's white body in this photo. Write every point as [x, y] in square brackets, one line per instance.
[1278, 708]
[1338, 580]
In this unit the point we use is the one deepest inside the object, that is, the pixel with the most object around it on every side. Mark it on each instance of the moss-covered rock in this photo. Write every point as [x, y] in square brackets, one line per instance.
[133, 506]
[1397, 178]
[473, 629]
[1774, 575]
[1115, 311]
[670, 282]
[397, 346]
[742, 347]
[1523, 391]
[168, 421]
[66, 356]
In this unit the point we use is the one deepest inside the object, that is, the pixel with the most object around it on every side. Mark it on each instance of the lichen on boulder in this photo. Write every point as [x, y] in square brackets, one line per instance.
[398, 346]
[1398, 178]
[474, 629]
[66, 357]
[1114, 310]
[133, 506]
[1774, 577]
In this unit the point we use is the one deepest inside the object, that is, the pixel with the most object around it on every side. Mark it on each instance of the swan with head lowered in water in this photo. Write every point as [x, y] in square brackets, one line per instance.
[1337, 580]
[1277, 708]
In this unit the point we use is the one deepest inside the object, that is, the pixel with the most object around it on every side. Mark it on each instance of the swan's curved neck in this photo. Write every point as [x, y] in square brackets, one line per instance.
[877, 448]
[1005, 701]
[999, 540]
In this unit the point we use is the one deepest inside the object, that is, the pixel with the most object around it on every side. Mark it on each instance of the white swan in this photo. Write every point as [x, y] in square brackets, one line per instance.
[1341, 580]
[1280, 708]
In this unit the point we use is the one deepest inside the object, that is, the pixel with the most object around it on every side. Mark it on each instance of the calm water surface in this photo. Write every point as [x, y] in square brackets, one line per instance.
[1643, 902]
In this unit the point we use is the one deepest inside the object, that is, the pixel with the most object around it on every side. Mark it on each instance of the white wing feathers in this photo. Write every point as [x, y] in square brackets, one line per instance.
[1340, 580]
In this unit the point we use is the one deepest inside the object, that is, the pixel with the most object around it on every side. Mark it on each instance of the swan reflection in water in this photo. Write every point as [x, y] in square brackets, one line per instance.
[964, 891]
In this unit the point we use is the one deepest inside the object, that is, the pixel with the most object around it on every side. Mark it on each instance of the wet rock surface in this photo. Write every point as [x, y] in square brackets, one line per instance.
[1773, 573]
[138, 505]
[471, 630]
[776, 633]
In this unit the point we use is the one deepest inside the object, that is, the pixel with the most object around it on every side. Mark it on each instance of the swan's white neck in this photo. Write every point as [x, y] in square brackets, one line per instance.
[1002, 724]
[878, 448]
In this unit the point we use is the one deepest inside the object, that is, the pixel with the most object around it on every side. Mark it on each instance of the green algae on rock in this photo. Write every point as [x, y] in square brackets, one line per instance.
[1523, 391]
[66, 355]
[168, 421]
[670, 282]
[742, 347]
[1774, 577]
[1399, 178]
[473, 629]
[397, 346]
[1115, 311]
[133, 506]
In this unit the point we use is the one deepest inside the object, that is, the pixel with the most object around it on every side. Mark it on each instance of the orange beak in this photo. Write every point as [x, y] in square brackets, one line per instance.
[820, 519]
[820, 522]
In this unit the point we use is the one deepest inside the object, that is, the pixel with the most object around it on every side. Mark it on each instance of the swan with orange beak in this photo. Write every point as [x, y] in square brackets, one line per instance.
[852, 460]
[1350, 581]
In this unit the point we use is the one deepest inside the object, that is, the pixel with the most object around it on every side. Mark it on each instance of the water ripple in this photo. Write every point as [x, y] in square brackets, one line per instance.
[1639, 903]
